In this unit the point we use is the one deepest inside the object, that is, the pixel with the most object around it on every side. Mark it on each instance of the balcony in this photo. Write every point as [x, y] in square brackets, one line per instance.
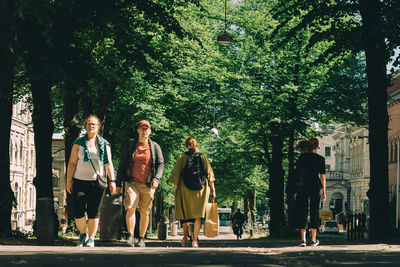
[336, 175]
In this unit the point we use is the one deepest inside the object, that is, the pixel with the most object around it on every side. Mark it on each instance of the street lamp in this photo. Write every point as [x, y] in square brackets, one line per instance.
[224, 38]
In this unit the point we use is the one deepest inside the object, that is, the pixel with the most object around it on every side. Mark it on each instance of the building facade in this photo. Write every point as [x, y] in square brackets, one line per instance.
[346, 153]
[393, 141]
[59, 171]
[23, 169]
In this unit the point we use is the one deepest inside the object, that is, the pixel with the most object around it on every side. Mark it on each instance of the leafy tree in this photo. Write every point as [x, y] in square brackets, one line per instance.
[274, 94]
[368, 26]
[158, 60]
[33, 39]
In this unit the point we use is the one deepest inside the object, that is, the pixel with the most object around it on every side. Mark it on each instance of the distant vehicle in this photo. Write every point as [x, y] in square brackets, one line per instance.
[225, 216]
[330, 226]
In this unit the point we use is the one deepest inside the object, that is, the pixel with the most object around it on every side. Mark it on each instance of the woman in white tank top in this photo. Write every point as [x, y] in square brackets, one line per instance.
[81, 178]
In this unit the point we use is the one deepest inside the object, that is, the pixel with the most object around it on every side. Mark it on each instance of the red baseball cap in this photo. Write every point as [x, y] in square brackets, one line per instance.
[144, 123]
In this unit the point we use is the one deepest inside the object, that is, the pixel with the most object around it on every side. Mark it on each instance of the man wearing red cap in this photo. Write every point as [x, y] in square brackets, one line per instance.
[140, 168]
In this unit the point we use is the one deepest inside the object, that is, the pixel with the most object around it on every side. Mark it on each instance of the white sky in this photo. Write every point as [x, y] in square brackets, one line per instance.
[389, 66]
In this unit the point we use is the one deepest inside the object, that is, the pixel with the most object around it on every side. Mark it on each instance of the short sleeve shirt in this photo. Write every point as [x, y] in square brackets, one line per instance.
[141, 166]
[316, 165]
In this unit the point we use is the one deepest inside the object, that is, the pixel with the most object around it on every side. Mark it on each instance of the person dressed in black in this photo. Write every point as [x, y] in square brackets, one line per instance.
[309, 195]
[237, 223]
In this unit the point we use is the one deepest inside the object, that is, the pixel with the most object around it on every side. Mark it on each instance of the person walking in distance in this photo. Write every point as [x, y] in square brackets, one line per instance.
[141, 167]
[309, 179]
[237, 223]
[88, 153]
[193, 179]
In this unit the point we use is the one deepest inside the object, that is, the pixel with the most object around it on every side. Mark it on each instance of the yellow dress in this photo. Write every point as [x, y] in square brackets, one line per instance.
[190, 204]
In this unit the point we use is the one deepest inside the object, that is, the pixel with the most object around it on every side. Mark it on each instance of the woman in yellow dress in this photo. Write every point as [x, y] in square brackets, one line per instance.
[190, 204]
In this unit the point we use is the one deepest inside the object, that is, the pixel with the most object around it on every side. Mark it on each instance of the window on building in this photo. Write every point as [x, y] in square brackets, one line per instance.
[10, 151]
[33, 198]
[19, 110]
[328, 167]
[15, 157]
[30, 198]
[56, 179]
[20, 197]
[391, 153]
[395, 152]
[17, 195]
[21, 153]
[327, 151]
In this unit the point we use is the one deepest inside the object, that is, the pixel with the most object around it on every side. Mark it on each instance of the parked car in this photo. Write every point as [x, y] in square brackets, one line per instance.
[330, 227]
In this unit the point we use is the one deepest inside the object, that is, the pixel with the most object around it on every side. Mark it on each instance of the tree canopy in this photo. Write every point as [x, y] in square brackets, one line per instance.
[292, 63]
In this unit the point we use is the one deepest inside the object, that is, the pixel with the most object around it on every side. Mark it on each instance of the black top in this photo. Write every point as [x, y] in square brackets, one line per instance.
[238, 217]
[316, 165]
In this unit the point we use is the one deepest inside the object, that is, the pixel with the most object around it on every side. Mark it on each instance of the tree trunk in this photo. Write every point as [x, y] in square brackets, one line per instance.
[72, 129]
[276, 186]
[43, 128]
[6, 97]
[290, 197]
[376, 58]
[291, 131]
[252, 204]
[246, 207]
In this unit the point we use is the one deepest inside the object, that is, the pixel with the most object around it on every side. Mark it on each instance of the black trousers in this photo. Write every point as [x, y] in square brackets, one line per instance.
[306, 199]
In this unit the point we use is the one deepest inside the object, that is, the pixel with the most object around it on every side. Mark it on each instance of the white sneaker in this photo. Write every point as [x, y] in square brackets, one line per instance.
[315, 243]
[303, 244]
[90, 243]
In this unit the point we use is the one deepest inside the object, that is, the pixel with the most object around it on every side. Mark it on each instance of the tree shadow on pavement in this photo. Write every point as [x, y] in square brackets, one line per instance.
[200, 257]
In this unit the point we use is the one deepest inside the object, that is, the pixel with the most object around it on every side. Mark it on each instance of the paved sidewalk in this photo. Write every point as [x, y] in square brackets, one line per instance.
[222, 251]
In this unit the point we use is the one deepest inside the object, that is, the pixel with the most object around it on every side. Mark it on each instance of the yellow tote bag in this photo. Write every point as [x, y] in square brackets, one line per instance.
[211, 224]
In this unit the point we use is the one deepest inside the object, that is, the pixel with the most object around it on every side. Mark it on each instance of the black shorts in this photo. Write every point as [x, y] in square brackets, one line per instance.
[86, 197]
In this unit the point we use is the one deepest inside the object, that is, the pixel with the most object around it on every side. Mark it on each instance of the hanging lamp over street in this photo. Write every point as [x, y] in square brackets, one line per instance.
[224, 38]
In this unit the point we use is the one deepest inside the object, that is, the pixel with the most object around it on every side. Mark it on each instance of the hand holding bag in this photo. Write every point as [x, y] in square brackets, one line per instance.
[211, 223]
[101, 181]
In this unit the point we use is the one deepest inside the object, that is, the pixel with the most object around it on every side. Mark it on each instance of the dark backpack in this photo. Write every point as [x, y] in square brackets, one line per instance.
[194, 175]
[300, 176]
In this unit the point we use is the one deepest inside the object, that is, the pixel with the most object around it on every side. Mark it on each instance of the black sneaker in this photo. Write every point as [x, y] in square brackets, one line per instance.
[141, 242]
[131, 241]
[315, 243]
[303, 244]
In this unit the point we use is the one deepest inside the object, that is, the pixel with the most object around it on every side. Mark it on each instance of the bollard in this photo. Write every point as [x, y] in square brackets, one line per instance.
[45, 231]
[162, 230]
[110, 218]
[174, 228]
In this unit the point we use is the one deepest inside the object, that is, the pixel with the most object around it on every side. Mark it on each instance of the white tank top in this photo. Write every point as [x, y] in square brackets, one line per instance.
[84, 170]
